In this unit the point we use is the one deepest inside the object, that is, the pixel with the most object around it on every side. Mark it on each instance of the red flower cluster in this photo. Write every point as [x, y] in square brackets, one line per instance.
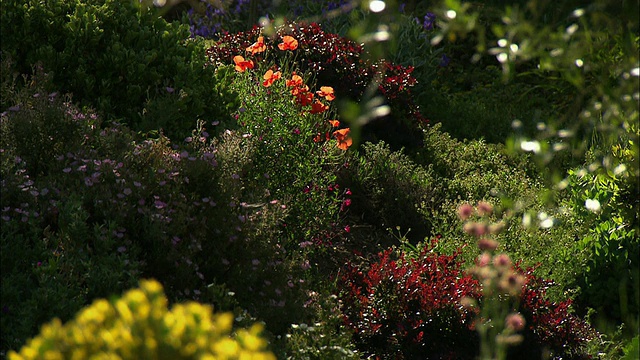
[553, 324]
[410, 306]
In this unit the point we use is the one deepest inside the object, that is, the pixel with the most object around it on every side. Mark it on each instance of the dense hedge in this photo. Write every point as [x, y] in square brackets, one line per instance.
[127, 63]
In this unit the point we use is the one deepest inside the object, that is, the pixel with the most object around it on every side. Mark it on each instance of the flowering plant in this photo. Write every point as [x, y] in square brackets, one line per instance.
[339, 63]
[139, 325]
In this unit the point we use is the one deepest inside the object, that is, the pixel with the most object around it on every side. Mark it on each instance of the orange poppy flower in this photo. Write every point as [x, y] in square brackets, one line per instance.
[304, 98]
[295, 81]
[344, 141]
[334, 123]
[318, 137]
[288, 43]
[301, 90]
[242, 64]
[326, 92]
[270, 76]
[258, 46]
[318, 107]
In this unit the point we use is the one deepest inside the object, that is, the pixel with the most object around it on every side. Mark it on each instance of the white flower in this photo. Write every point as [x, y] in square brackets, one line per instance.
[592, 205]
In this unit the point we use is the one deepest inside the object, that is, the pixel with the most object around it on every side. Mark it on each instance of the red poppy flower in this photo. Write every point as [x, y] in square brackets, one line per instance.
[258, 46]
[269, 77]
[242, 64]
[288, 43]
[318, 107]
[344, 141]
[326, 92]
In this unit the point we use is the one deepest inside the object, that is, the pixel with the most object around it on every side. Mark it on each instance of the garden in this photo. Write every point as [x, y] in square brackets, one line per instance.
[331, 179]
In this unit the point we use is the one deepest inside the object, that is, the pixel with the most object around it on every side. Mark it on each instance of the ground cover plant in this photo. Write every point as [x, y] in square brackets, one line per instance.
[294, 181]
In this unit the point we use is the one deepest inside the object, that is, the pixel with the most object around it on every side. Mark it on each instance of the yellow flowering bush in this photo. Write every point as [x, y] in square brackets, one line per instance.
[140, 326]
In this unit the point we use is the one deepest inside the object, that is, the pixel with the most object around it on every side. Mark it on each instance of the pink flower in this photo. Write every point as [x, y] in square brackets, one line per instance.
[515, 322]
[502, 261]
[484, 208]
[487, 244]
[465, 211]
[483, 260]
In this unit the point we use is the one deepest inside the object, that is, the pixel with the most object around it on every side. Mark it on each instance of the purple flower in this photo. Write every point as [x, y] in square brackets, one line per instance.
[429, 21]
[159, 204]
[444, 60]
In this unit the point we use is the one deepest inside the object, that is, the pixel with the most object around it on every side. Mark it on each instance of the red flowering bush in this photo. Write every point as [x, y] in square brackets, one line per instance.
[552, 324]
[406, 307]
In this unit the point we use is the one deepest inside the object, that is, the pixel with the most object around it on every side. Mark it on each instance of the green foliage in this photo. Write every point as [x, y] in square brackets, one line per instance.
[390, 190]
[128, 64]
[632, 350]
[297, 171]
[140, 325]
[327, 338]
[249, 205]
[88, 215]
[609, 281]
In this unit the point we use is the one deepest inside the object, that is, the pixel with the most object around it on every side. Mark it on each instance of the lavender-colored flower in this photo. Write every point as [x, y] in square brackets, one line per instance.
[429, 21]
[159, 204]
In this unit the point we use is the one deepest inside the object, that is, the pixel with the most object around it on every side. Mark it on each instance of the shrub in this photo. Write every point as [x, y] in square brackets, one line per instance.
[409, 304]
[126, 63]
[390, 190]
[212, 21]
[139, 325]
[338, 62]
[554, 325]
[88, 214]
[603, 206]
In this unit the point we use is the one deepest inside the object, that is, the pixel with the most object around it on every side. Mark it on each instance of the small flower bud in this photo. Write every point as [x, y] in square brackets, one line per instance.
[480, 229]
[468, 227]
[502, 261]
[465, 211]
[484, 208]
[496, 228]
[515, 322]
[483, 260]
[512, 283]
[486, 244]
[468, 302]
